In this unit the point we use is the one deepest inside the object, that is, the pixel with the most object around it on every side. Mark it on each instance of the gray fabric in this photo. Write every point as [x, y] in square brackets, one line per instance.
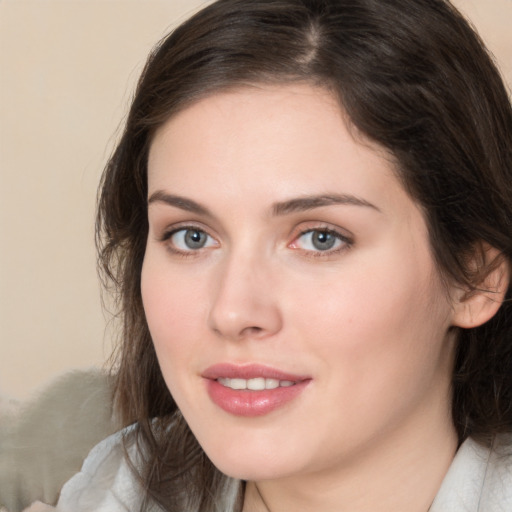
[105, 482]
[44, 440]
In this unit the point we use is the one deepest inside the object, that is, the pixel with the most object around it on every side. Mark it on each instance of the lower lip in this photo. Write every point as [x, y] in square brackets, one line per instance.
[252, 403]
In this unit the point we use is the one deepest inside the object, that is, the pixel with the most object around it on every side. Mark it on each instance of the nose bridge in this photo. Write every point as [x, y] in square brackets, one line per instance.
[244, 302]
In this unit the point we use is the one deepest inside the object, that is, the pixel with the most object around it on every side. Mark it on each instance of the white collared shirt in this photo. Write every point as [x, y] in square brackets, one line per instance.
[478, 480]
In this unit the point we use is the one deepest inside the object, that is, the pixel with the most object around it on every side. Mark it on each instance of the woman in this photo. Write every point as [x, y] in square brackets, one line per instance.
[308, 225]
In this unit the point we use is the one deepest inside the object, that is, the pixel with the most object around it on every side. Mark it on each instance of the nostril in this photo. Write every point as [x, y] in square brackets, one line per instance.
[252, 330]
[247, 332]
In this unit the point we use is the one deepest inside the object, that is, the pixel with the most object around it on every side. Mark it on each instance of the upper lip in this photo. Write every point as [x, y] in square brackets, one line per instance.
[248, 371]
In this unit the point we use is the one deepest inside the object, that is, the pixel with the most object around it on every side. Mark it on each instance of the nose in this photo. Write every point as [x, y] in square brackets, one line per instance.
[245, 300]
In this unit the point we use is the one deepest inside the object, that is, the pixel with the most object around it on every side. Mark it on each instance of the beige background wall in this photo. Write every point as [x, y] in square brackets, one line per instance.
[67, 69]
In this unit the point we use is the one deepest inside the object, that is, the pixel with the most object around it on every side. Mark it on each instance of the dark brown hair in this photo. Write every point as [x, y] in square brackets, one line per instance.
[415, 78]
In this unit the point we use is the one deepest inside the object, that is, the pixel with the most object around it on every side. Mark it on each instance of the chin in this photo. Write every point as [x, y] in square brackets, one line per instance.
[250, 472]
[252, 463]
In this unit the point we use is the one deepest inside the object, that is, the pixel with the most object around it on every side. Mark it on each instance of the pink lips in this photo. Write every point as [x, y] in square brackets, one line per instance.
[247, 402]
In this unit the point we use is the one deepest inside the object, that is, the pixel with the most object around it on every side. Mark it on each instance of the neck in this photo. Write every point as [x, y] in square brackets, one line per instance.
[401, 473]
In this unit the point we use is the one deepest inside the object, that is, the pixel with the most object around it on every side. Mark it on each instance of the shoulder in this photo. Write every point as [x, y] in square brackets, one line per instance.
[479, 479]
[106, 481]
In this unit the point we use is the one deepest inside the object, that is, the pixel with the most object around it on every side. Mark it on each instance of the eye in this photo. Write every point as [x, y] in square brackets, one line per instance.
[320, 240]
[190, 239]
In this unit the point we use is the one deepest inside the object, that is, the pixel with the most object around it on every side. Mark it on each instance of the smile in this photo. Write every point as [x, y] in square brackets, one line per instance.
[256, 384]
[252, 390]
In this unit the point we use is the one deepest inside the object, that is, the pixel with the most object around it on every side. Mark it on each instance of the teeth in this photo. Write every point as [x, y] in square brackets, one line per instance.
[256, 384]
[238, 383]
[271, 383]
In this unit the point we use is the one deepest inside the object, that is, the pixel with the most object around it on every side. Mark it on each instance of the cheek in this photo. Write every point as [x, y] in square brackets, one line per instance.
[384, 323]
[382, 349]
[368, 300]
[174, 308]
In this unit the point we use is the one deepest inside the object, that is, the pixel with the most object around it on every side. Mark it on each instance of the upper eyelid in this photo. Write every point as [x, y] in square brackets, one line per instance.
[170, 229]
[308, 226]
[342, 237]
[161, 221]
[333, 231]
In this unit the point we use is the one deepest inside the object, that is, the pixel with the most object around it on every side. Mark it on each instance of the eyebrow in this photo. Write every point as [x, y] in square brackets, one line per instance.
[179, 202]
[299, 204]
[306, 203]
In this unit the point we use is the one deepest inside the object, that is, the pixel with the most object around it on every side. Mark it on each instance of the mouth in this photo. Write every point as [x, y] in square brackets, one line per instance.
[255, 377]
[256, 384]
[252, 390]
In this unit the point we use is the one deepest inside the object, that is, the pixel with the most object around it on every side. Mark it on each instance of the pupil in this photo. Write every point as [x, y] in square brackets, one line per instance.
[322, 240]
[195, 239]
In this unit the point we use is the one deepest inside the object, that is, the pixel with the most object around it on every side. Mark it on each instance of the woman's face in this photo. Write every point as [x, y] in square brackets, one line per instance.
[291, 294]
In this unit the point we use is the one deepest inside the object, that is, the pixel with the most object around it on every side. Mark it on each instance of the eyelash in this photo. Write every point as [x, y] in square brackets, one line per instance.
[346, 242]
[167, 236]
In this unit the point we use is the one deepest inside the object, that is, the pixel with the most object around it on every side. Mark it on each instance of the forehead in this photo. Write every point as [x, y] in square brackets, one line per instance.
[289, 140]
[240, 116]
[251, 107]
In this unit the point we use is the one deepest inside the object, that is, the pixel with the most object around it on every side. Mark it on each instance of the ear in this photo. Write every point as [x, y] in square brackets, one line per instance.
[474, 307]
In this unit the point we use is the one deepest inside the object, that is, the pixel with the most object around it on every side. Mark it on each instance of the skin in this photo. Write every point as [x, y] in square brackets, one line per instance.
[368, 321]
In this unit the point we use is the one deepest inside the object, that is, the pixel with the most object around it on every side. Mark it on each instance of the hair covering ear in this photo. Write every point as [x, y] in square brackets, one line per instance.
[479, 304]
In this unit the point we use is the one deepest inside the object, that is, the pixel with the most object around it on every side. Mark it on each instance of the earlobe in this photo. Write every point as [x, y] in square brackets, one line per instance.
[478, 305]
